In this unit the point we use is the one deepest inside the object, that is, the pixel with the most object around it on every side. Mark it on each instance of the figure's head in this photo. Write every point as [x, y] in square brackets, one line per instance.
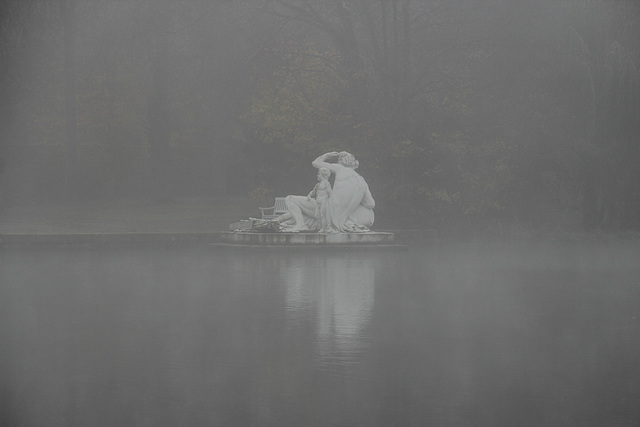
[323, 173]
[348, 160]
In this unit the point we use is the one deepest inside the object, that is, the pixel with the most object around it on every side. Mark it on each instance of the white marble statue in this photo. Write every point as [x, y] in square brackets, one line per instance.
[321, 193]
[349, 208]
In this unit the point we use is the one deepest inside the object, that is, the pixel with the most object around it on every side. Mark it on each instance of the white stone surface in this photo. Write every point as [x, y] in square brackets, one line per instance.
[348, 207]
[308, 239]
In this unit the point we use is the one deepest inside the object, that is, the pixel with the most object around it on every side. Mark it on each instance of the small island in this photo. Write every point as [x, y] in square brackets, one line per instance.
[341, 214]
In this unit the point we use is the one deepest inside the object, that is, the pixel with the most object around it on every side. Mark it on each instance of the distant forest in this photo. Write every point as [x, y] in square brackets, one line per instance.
[459, 111]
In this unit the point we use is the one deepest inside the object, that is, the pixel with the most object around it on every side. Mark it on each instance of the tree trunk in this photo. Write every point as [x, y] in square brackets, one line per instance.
[67, 10]
[158, 114]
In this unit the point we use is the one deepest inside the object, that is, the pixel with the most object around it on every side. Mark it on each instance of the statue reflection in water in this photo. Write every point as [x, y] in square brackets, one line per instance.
[339, 292]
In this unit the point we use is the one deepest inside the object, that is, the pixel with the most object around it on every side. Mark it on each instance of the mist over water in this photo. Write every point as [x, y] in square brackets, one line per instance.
[468, 118]
[489, 335]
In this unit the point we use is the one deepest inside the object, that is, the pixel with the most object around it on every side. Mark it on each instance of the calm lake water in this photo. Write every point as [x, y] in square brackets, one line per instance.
[461, 335]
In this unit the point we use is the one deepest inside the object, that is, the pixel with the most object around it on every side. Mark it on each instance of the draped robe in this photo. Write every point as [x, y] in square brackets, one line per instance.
[349, 209]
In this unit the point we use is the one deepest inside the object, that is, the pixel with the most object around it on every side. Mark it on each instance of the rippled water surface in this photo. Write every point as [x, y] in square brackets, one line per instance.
[459, 335]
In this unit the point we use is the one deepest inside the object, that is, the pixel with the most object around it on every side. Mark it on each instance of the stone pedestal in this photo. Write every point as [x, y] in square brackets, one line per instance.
[300, 240]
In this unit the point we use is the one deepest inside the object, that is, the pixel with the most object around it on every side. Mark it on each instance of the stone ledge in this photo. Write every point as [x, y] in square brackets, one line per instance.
[310, 248]
[307, 239]
[387, 238]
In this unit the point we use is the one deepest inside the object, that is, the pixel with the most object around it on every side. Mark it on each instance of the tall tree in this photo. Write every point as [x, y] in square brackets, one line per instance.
[67, 11]
[158, 114]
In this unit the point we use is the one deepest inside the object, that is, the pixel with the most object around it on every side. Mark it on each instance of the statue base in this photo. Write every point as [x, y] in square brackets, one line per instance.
[310, 240]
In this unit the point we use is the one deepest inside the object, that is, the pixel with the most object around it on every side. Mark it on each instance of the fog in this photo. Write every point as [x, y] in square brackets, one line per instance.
[460, 111]
[509, 129]
[487, 335]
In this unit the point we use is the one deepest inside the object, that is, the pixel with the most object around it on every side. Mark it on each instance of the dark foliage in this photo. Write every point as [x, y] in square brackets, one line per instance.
[462, 113]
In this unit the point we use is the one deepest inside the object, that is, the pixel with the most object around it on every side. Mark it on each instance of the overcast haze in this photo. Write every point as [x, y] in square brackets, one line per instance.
[460, 111]
[499, 138]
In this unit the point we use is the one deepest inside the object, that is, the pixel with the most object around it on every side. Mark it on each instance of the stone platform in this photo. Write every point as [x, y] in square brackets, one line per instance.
[310, 240]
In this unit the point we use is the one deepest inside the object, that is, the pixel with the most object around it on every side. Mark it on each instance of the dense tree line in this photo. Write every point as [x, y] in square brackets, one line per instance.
[460, 111]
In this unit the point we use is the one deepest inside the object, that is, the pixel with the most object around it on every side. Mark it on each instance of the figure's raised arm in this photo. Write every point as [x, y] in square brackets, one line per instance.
[321, 162]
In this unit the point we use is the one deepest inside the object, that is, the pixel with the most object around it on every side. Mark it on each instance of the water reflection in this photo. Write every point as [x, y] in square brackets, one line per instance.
[454, 336]
[339, 294]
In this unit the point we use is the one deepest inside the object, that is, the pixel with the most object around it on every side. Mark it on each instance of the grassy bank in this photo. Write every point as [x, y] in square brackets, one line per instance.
[127, 217]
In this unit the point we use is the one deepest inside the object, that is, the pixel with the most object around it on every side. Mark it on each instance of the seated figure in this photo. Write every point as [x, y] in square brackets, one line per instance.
[348, 209]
